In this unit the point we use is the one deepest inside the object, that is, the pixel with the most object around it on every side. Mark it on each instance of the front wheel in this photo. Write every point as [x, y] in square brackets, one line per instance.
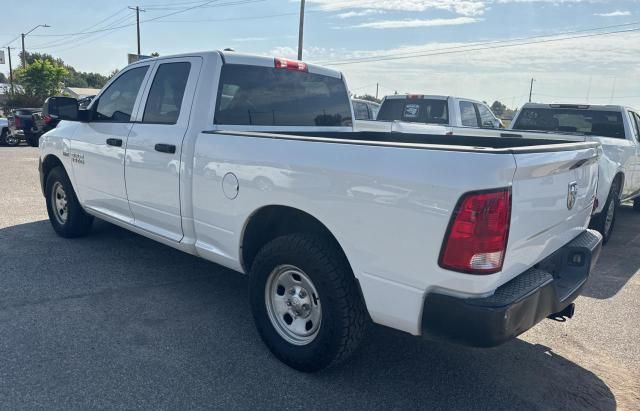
[66, 215]
[305, 302]
[7, 139]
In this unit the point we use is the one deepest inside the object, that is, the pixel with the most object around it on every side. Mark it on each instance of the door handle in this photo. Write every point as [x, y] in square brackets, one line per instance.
[166, 148]
[116, 142]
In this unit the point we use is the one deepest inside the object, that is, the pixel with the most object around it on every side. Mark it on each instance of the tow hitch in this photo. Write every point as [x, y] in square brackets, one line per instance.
[563, 315]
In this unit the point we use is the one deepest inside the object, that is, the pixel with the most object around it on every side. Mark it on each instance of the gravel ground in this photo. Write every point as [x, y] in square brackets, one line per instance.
[117, 321]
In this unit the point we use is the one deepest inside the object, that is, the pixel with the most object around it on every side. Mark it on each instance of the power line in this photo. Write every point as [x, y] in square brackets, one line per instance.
[154, 18]
[466, 47]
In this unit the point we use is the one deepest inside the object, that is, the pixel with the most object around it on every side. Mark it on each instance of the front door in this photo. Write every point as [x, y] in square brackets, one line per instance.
[98, 149]
[154, 146]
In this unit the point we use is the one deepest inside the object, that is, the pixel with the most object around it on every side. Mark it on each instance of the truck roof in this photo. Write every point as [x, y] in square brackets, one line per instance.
[600, 107]
[232, 57]
[428, 97]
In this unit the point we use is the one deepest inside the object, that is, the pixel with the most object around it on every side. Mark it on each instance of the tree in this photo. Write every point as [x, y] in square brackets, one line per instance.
[498, 108]
[74, 78]
[41, 78]
[3, 78]
[367, 97]
[155, 54]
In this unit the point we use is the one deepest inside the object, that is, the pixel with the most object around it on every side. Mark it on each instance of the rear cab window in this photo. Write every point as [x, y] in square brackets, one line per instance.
[431, 111]
[468, 115]
[588, 122]
[268, 96]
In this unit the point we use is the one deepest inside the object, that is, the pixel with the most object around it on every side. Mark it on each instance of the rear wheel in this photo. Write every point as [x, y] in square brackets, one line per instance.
[65, 212]
[32, 140]
[305, 302]
[605, 221]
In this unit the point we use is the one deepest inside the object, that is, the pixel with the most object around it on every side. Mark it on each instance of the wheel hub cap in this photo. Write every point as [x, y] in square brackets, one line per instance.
[293, 304]
[59, 203]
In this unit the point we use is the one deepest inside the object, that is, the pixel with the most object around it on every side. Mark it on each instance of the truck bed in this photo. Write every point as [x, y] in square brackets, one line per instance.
[430, 141]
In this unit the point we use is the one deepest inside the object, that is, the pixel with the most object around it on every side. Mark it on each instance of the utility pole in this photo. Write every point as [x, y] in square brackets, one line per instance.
[377, 88]
[531, 89]
[23, 35]
[10, 70]
[138, 10]
[24, 56]
[301, 30]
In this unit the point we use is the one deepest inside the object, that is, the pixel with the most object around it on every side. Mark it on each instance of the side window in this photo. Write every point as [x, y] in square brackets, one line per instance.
[166, 93]
[468, 114]
[636, 121]
[487, 119]
[360, 110]
[116, 103]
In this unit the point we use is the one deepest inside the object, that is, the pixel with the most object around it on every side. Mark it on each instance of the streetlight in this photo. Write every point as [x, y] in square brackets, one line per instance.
[24, 55]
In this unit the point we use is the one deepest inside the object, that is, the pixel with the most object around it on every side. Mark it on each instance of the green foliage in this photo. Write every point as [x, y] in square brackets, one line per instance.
[74, 78]
[498, 108]
[42, 78]
[3, 78]
[367, 97]
[155, 54]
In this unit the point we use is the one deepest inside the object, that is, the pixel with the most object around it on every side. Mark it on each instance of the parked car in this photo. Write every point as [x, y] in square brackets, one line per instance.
[468, 239]
[443, 115]
[617, 128]
[364, 109]
[26, 124]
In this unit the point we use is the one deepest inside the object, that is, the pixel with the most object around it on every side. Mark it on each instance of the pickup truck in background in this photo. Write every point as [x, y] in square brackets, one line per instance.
[252, 162]
[364, 109]
[432, 114]
[617, 128]
[26, 124]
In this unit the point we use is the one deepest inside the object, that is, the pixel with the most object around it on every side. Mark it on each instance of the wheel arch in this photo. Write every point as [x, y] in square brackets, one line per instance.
[50, 162]
[272, 221]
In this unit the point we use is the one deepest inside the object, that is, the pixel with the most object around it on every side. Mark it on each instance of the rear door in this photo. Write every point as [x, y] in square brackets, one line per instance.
[635, 129]
[154, 147]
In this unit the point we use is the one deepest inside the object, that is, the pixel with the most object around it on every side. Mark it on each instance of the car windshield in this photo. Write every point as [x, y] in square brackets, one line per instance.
[415, 111]
[572, 120]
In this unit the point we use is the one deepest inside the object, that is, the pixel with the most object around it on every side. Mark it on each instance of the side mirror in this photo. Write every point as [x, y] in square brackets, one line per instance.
[61, 108]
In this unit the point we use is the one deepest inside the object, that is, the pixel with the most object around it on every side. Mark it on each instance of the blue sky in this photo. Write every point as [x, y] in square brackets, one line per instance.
[337, 31]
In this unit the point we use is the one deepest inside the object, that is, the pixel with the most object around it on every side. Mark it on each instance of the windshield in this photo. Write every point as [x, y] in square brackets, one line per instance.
[569, 120]
[415, 111]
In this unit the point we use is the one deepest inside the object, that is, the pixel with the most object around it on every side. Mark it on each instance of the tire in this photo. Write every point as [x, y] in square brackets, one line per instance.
[32, 139]
[333, 293]
[66, 215]
[7, 140]
[605, 221]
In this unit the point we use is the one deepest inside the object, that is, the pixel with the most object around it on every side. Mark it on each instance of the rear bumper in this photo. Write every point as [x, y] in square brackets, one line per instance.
[518, 305]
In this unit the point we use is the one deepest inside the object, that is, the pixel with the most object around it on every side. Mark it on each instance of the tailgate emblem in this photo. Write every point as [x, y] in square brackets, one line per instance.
[572, 194]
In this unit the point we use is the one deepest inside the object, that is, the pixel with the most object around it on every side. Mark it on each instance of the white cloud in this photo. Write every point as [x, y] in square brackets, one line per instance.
[247, 39]
[394, 24]
[462, 7]
[365, 12]
[617, 13]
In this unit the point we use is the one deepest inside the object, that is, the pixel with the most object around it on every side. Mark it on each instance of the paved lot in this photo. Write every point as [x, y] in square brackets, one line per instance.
[115, 320]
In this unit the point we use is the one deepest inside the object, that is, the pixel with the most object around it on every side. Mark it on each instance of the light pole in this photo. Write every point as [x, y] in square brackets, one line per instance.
[24, 55]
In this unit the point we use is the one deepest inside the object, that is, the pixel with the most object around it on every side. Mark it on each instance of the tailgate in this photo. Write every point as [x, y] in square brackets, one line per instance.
[552, 202]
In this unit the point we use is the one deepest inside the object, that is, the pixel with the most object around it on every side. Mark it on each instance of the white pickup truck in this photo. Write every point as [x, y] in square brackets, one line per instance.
[617, 128]
[419, 113]
[252, 163]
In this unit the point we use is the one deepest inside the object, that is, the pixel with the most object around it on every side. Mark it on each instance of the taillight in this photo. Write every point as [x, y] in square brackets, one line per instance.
[290, 64]
[46, 119]
[17, 122]
[476, 239]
